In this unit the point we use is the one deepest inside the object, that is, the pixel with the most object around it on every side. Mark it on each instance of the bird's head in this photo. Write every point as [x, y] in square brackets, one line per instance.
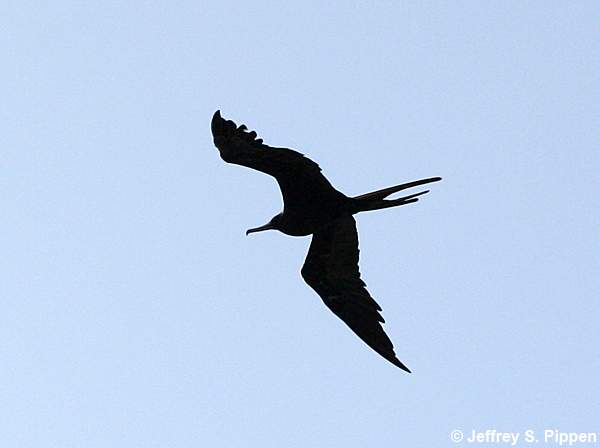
[273, 224]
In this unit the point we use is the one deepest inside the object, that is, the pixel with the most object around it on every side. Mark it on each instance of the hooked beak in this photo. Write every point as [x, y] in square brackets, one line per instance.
[267, 226]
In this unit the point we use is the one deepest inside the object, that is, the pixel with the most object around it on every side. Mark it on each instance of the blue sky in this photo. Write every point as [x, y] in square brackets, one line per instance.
[136, 313]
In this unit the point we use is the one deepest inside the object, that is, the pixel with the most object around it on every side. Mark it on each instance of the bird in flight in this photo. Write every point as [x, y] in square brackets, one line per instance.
[311, 205]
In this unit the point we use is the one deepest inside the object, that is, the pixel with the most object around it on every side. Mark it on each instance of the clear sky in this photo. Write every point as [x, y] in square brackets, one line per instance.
[136, 313]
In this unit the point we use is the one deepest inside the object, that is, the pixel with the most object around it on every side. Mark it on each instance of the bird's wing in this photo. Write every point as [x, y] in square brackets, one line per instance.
[299, 178]
[331, 269]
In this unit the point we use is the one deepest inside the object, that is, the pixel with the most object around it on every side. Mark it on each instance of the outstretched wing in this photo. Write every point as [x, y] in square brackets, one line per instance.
[299, 178]
[331, 269]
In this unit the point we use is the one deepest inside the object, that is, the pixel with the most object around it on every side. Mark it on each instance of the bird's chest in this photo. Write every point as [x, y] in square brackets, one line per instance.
[308, 221]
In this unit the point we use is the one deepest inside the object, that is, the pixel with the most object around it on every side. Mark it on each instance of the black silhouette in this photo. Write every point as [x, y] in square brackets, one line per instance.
[313, 206]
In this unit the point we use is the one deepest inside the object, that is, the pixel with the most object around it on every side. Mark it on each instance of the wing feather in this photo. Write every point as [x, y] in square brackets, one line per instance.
[331, 269]
[299, 178]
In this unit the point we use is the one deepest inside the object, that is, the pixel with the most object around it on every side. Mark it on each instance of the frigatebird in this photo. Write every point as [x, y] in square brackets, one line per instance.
[311, 205]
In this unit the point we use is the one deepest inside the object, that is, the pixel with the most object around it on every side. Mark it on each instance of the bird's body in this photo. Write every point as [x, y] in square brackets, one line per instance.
[295, 221]
[313, 206]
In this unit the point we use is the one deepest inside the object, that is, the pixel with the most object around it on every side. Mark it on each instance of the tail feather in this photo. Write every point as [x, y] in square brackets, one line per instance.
[384, 193]
[376, 199]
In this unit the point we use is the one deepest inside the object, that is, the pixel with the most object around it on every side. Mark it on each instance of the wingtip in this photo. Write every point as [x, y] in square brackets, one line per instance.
[217, 124]
[391, 357]
[399, 364]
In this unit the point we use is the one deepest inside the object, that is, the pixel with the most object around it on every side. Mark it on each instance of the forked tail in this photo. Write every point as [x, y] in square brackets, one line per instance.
[376, 199]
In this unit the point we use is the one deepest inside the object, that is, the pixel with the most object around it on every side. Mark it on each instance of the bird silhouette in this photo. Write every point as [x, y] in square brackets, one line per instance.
[313, 206]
